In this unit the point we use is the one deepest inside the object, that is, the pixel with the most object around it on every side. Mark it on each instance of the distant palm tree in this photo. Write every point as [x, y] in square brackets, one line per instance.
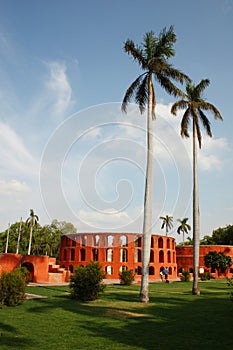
[184, 227]
[31, 222]
[152, 57]
[167, 223]
[195, 105]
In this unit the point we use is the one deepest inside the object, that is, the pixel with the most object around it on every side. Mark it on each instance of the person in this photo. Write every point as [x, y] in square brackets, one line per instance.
[161, 275]
[165, 271]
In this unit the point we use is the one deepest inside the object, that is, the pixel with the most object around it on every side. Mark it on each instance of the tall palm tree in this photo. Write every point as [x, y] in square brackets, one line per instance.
[31, 222]
[152, 56]
[167, 223]
[184, 227]
[195, 107]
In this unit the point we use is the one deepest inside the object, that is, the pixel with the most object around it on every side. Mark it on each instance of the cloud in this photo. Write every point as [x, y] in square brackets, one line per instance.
[58, 87]
[13, 187]
[212, 155]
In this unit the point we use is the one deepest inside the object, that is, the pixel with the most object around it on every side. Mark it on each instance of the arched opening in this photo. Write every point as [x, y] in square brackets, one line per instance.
[123, 255]
[152, 258]
[96, 240]
[84, 240]
[71, 268]
[138, 255]
[168, 243]
[160, 242]
[30, 269]
[138, 241]
[123, 268]
[83, 254]
[72, 255]
[123, 241]
[108, 270]
[161, 256]
[110, 241]
[64, 254]
[170, 271]
[169, 257]
[138, 270]
[109, 255]
[95, 254]
[152, 242]
[151, 270]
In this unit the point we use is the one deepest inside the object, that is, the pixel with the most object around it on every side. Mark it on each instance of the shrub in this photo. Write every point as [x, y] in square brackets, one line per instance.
[206, 276]
[86, 283]
[12, 287]
[185, 276]
[126, 277]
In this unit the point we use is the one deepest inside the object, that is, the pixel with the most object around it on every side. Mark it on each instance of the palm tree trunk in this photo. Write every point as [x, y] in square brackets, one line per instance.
[196, 218]
[147, 222]
[19, 234]
[7, 239]
[30, 241]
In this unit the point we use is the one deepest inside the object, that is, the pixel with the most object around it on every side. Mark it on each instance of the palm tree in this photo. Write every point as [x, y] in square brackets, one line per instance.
[195, 105]
[31, 222]
[152, 57]
[184, 227]
[167, 223]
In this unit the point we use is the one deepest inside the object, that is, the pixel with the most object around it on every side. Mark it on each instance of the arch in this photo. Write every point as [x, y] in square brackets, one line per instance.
[137, 255]
[161, 256]
[168, 243]
[108, 270]
[174, 257]
[170, 270]
[152, 242]
[84, 240]
[123, 268]
[151, 270]
[110, 241]
[72, 255]
[152, 256]
[160, 242]
[169, 256]
[138, 270]
[71, 268]
[109, 255]
[191, 270]
[95, 254]
[123, 241]
[123, 255]
[96, 240]
[138, 241]
[83, 254]
[173, 244]
[30, 267]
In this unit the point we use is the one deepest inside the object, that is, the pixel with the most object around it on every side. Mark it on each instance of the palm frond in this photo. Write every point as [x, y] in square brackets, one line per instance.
[130, 92]
[210, 107]
[141, 95]
[182, 104]
[185, 123]
[201, 86]
[205, 122]
[165, 43]
[136, 52]
[168, 85]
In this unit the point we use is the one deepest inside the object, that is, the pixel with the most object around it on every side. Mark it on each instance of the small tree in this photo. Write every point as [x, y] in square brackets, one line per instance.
[86, 283]
[12, 287]
[126, 277]
[218, 261]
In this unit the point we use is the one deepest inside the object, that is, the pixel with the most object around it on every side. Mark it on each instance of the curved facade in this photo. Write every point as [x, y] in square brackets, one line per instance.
[118, 251]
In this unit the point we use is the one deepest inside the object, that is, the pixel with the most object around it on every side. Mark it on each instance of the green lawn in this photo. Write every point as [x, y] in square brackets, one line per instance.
[174, 319]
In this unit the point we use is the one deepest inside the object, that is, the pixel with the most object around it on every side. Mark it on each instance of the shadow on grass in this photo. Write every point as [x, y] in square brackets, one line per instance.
[174, 319]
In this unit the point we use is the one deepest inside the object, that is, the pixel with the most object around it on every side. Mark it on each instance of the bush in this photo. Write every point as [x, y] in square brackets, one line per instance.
[12, 287]
[86, 283]
[185, 277]
[206, 276]
[126, 277]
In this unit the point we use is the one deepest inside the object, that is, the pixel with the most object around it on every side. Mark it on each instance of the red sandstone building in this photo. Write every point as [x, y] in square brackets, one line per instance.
[117, 252]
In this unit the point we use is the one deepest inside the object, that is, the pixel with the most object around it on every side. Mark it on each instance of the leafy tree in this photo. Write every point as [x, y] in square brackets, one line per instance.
[207, 240]
[195, 105]
[31, 222]
[218, 261]
[184, 226]
[12, 287]
[86, 282]
[126, 277]
[152, 57]
[167, 223]
[223, 236]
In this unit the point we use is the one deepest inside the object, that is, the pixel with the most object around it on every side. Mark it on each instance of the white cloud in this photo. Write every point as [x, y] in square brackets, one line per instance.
[13, 187]
[59, 87]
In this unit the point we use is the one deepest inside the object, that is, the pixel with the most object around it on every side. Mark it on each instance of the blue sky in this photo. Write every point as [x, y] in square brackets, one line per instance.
[68, 152]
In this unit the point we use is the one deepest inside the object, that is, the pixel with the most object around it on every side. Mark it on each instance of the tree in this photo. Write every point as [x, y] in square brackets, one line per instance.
[31, 222]
[167, 223]
[152, 57]
[195, 105]
[218, 261]
[184, 227]
[223, 235]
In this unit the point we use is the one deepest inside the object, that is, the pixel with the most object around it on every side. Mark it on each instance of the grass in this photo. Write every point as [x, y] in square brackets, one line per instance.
[174, 319]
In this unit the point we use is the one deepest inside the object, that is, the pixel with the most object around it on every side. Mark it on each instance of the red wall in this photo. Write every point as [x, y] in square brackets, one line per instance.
[184, 257]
